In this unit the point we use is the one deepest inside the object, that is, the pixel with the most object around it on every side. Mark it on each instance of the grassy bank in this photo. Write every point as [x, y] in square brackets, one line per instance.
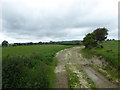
[109, 52]
[29, 66]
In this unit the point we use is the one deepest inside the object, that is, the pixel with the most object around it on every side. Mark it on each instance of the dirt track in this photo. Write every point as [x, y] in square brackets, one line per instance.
[73, 60]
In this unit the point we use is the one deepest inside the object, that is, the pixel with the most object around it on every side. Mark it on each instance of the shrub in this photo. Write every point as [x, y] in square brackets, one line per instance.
[24, 72]
[89, 41]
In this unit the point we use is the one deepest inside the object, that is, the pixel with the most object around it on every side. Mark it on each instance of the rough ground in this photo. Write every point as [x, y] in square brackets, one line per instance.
[71, 61]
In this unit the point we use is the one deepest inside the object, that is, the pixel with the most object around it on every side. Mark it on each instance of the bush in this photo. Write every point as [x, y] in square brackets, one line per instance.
[89, 41]
[5, 43]
[25, 72]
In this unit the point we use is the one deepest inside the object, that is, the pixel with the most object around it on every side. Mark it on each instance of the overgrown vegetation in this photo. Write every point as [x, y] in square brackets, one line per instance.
[111, 74]
[95, 44]
[86, 53]
[93, 39]
[73, 79]
[100, 34]
[25, 72]
[89, 41]
[29, 66]
[5, 43]
[111, 54]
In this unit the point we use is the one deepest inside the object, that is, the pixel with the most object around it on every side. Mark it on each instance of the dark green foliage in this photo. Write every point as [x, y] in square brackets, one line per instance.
[73, 42]
[24, 72]
[89, 41]
[100, 34]
[99, 46]
[5, 43]
[92, 39]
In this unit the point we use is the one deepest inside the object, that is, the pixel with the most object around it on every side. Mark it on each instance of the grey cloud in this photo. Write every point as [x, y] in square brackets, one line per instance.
[20, 21]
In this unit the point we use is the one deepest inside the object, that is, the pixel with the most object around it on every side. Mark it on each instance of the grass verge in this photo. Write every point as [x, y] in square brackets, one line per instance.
[73, 80]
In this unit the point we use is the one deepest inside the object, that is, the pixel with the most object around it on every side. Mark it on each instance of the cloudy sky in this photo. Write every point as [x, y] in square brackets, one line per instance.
[46, 20]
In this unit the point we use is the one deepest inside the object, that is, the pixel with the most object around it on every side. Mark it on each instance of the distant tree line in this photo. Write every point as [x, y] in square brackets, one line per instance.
[110, 39]
[89, 41]
[75, 42]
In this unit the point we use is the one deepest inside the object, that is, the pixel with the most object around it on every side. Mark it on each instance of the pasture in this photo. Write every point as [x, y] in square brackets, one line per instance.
[29, 66]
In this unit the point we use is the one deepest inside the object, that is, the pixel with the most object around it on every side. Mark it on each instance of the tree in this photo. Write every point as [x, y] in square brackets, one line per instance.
[89, 40]
[5, 43]
[40, 42]
[100, 34]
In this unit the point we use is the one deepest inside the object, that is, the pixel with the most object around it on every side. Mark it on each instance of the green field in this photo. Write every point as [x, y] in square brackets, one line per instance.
[109, 51]
[29, 66]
